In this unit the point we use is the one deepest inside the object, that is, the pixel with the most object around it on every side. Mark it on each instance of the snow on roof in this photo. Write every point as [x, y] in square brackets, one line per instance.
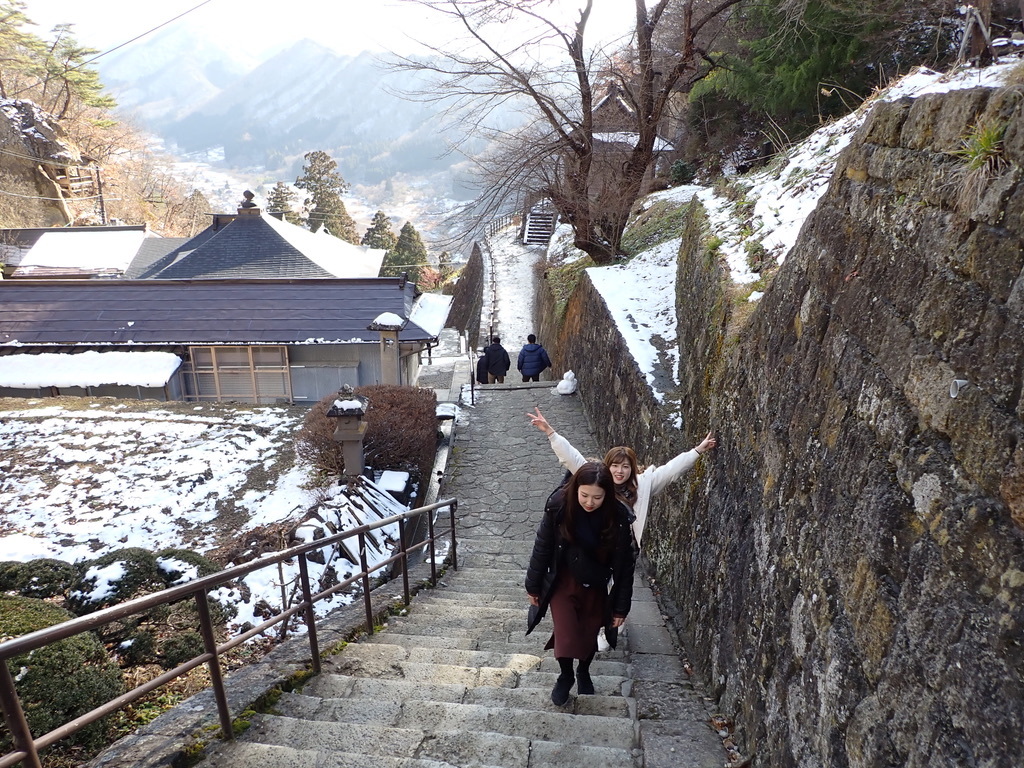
[340, 258]
[430, 312]
[88, 369]
[85, 248]
[630, 138]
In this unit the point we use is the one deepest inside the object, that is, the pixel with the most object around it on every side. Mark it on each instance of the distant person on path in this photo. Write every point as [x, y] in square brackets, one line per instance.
[633, 486]
[583, 541]
[533, 359]
[497, 361]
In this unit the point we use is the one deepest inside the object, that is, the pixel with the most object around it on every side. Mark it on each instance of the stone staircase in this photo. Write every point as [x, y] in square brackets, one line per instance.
[453, 683]
[540, 225]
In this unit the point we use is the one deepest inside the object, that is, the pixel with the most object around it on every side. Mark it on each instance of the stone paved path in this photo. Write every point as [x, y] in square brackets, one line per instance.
[503, 472]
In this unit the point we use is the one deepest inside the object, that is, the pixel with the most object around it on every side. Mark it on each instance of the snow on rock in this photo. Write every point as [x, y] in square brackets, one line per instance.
[771, 208]
[641, 298]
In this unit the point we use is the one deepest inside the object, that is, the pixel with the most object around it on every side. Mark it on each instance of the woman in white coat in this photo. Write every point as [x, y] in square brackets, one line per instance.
[633, 486]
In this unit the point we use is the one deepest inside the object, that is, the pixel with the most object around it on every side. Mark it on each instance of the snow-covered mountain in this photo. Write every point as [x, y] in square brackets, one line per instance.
[266, 113]
[165, 76]
[308, 97]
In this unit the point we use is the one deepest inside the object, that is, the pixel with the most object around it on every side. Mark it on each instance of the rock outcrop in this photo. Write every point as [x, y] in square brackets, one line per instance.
[42, 172]
[850, 565]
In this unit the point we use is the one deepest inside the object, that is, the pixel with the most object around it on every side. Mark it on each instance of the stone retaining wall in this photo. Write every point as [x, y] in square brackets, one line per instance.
[850, 564]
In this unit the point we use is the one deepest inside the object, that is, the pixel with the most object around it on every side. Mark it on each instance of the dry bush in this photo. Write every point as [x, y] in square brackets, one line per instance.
[401, 431]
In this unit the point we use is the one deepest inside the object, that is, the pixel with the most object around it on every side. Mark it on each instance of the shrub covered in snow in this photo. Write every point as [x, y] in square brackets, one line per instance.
[41, 578]
[62, 681]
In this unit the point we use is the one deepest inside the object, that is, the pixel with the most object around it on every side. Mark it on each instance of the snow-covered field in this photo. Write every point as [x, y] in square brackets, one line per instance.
[77, 484]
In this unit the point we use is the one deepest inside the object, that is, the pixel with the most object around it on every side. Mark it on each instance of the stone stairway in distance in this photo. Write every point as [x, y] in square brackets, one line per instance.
[454, 683]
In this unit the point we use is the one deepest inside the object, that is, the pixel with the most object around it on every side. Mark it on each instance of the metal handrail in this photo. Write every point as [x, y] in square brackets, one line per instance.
[26, 748]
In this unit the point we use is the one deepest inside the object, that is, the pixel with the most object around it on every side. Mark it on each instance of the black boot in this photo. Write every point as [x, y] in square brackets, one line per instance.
[560, 693]
[584, 685]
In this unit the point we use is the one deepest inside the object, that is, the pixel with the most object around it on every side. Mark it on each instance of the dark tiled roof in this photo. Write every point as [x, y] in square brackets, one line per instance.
[250, 246]
[155, 312]
[152, 250]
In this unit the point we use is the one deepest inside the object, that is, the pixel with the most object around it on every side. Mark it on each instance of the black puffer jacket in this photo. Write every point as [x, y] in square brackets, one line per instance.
[549, 555]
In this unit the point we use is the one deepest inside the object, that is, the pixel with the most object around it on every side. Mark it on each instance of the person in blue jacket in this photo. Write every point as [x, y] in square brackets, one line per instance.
[533, 359]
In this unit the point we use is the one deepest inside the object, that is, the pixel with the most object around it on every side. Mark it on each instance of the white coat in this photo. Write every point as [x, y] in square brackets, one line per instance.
[650, 481]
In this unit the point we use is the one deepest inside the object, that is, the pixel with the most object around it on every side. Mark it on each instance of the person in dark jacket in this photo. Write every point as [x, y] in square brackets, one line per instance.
[583, 541]
[533, 359]
[497, 361]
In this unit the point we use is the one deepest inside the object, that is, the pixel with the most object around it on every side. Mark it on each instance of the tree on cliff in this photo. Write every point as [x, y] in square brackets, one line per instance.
[551, 68]
[379, 234]
[281, 199]
[325, 186]
[408, 255]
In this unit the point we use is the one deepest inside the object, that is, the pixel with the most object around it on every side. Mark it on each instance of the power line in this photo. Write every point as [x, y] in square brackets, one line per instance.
[46, 80]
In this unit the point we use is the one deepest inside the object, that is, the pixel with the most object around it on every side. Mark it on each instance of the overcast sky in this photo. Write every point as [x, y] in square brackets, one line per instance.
[347, 26]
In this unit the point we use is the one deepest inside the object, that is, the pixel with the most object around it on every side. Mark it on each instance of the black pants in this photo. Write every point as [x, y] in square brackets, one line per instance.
[535, 377]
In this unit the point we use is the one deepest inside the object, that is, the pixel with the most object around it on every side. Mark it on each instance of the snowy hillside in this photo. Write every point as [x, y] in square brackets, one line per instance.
[771, 209]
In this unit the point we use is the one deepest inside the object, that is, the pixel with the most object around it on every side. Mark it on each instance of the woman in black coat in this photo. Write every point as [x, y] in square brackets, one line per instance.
[583, 541]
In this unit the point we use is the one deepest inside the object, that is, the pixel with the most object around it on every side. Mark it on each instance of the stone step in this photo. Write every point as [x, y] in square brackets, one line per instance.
[337, 686]
[356, 691]
[467, 749]
[455, 608]
[499, 643]
[508, 599]
[487, 575]
[385, 654]
[609, 677]
[545, 724]
[457, 626]
[237, 754]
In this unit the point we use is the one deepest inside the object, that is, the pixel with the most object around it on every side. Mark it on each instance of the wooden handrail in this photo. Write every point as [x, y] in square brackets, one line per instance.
[26, 748]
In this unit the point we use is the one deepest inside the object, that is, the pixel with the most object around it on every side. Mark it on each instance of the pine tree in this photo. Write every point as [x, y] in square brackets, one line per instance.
[379, 234]
[280, 200]
[408, 255]
[445, 270]
[325, 186]
[68, 78]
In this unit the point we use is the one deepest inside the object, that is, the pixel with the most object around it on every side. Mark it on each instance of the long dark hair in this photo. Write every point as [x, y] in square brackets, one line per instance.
[591, 473]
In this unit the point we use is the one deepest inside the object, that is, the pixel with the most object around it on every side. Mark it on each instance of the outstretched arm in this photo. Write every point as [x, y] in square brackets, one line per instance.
[570, 458]
[660, 477]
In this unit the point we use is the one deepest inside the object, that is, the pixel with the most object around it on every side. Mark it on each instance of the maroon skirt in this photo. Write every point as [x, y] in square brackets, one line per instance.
[578, 613]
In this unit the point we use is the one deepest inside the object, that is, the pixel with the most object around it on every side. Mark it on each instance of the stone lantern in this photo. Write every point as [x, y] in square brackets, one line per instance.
[349, 410]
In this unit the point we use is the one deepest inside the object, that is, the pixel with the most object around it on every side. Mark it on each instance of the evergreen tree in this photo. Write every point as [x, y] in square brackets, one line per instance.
[325, 186]
[67, 78]
[280, 200]
[20, 51]
[408, 255]
[379, 234]
[445, 270]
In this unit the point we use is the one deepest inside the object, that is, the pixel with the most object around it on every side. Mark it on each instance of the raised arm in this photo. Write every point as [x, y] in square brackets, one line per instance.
[569, 457]
[660, 477]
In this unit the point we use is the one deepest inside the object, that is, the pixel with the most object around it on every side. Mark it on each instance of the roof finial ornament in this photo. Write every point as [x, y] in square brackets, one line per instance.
[248, 203]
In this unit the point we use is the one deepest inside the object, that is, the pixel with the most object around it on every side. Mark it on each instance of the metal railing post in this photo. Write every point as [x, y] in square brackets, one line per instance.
[433, 549]
[451, 517]
[405, 561]
[14, 716]
[307, 597]
[216, 681]
[366, 583]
